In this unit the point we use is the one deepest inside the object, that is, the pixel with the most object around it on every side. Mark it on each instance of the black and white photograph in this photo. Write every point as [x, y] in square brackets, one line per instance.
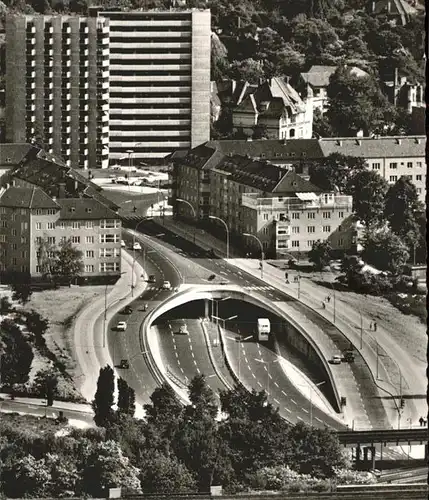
[213, 257]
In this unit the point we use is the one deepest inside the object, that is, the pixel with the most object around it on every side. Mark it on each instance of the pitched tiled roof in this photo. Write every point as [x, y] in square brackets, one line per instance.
[318, 76]
[83, 209]
[12, 154]
[271, 149]
[201, 157]
[396, 7]
[49, 175]
[292, 183]
[381, 147]
[22, 197]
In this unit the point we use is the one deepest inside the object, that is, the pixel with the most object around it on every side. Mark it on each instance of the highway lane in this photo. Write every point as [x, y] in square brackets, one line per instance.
[269, 376]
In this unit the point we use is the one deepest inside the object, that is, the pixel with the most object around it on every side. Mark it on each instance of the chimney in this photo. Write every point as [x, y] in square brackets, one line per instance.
[61, 189]
[373, 7]
[389, 5]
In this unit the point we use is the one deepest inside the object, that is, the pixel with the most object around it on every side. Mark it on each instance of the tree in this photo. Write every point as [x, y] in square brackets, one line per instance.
[314, 451]
[333, 172]
[165, 474]
[5, 306]
[260, 131]
[63, 473]
[68, 261]
[103, 400]
[37, 325]
[17, 354]
[402, 211]
[126, 398]
[356, 103]
[202, 397]
[248, 70]
[107, 467]
[321, 125]
[385, 251]
[21, 292]
[46, 384]
[30, 477]
[320, 254]
[369, 190]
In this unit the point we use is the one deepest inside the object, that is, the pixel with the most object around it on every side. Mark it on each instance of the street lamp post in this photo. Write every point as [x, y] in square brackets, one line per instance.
[105, 312]
[267, 363]
[239, 341]
[262, 251]
[227, 232]
[181, 200]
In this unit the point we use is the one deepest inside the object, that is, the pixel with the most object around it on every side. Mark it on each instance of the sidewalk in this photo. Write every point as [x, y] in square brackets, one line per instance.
[89, 343]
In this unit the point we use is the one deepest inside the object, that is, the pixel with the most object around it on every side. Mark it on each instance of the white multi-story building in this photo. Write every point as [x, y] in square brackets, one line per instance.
[57, 85]
[159, 82]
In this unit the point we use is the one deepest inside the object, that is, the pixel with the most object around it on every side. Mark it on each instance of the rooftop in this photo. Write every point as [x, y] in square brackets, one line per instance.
[84, 209]
[26, 197]
[318, 76]
[12, 154]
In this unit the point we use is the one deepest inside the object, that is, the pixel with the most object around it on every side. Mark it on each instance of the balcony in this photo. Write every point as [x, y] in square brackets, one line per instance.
[50, 130]
[50, 141]
[67, 41]
[83, 40]
[105, 107]
[32, 63]
[31, 53]
[49, 52]
[66, 53]
[66, 29]
[31, 97]
[31, 29]
[66, 74]
[50, 107]
[84, 107]
[32, 85]
[49, 74]
[307, 201]
[31, 41]
[84, 53]
[67, 62]
[67, 108]
[67, 130]
[84, 29]
[49, 96]
[83, 97]
[105, 63]
[49, 29]
[66, 85]
[84, 74]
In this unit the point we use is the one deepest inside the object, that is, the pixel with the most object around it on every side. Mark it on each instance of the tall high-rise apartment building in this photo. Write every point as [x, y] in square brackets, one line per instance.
[159, 82]
[57, 85]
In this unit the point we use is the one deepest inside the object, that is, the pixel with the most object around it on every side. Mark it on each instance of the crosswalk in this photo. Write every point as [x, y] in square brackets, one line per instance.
[260, 288]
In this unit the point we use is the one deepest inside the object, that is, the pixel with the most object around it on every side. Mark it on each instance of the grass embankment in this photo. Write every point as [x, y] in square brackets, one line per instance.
[61, 307]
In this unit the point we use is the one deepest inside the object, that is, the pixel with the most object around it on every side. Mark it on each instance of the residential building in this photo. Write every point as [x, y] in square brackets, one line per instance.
[25, 165]
[397, 11]
[57, 86]
[400, 91]
[159, 82]
[33, 225]
[276, 107]
[390, 156]
[285, 211]
[316, 80]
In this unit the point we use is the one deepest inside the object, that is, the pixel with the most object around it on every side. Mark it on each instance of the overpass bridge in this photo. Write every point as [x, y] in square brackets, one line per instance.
[392, 436]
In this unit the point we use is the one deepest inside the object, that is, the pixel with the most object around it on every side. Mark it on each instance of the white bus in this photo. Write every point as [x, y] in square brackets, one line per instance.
[264, 328]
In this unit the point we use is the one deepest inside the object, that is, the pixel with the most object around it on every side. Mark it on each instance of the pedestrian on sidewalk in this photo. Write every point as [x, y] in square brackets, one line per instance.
[425, 421]
[375, 326]
[323, 305]
[421, 421]
[328, 299]
[370, 326]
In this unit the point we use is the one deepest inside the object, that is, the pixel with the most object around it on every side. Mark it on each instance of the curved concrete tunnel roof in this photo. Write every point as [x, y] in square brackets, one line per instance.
[201, 292]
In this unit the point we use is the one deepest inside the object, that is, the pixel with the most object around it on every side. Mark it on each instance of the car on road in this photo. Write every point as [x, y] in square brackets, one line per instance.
[127, 310]
[336, 359]
[123, 245]
[212, 277]
[183, 330]
[166, 285]
[375, 472]
[349, 356]
[137, 246]
[151, 278]
[121, 326]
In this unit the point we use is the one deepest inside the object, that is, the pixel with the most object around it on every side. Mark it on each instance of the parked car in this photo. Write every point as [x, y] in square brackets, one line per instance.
[151, 278]
[166, 285]
[127, 310]
[212, 277]
[183, 330]
[336, 359]
[121, 326]
[137, 246]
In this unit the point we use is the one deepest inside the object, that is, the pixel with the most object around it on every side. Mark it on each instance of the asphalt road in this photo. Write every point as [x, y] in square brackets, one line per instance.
[223, 271]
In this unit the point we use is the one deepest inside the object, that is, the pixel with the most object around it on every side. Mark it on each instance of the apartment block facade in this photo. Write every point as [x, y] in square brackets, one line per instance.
[57, 86]
[159, 83]
[284, 210]
[32, 224]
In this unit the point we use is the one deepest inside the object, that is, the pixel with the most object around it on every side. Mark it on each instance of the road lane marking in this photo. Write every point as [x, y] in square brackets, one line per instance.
[198, 370]
[294, 402]
[248, 366]
[253, 375]
[190, 347]
[283, 392]
[259, 383]
[177, 355]
[299, 418]
[245, 359]
[287, 409]
[317, 418]
[276, 401]
[193, 355]
[269, 375]
[306, 411]
[276, 384]
[265, 368]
